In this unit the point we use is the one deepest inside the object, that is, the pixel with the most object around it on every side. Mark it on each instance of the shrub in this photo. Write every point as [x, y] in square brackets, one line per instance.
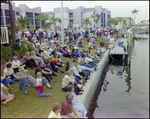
[15, 49]
[6, 52]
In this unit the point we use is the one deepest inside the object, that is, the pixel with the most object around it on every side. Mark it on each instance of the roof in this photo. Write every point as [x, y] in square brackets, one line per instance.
[36, 8]
[89, 10]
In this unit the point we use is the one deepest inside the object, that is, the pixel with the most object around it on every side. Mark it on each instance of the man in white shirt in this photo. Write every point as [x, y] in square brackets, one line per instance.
[68, 81]
[51, 49]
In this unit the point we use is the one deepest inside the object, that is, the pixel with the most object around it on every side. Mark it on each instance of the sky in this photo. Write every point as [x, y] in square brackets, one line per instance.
[117, 8]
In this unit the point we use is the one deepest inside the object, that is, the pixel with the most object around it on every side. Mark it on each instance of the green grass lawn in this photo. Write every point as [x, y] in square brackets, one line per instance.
[32, 106]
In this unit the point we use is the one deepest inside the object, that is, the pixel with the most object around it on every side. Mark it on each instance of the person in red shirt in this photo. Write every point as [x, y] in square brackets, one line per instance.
[67, 110]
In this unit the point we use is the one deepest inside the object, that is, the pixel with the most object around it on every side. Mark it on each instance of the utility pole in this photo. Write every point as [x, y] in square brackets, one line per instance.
[62, 24]
[11, 21]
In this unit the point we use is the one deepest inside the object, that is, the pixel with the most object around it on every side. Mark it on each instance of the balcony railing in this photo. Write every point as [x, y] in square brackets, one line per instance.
[4, 35]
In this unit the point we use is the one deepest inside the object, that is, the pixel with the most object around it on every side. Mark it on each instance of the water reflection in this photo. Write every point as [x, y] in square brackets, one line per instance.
[114, 98]
[128, 80]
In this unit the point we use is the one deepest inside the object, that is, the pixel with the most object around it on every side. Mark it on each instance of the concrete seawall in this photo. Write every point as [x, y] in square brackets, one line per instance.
[92, 83]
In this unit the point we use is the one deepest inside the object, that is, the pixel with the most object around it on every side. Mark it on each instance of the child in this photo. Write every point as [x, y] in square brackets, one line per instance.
[21, 77]
[40, 86]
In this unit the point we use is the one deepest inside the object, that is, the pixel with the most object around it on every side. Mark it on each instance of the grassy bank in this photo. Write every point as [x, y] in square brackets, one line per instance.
[30, 105]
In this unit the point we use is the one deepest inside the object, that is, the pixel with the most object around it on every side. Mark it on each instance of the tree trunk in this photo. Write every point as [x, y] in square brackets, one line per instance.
[11, 21]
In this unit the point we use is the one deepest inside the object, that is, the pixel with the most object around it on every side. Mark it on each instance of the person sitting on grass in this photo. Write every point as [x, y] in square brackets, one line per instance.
[45, 74]
[67, 80]
[28, 61]
[9, 74]
[39, 86]
[16, 64]
[56, 109]
[67, 110]
[78, 72]
[82, 62]
[97, 53]
[76, 105]
[29, 81]
[36, 58]
[73, 54]
[77, 52]
[9, 60]
[88, 39]
[67, 65]
[5, 96]
[93, 40]
[51, 49]
[83, 68]
[56, 62]
[80, 82]
[50, 69]
[66, 53]
[5, 80]
[80, 44]
[21, 76]
[54, 67]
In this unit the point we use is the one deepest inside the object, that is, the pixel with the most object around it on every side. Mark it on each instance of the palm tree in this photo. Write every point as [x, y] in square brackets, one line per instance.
[86, 21]
[59, 20]
[113, 21]
[31, 26]
[130, 18]
[53, 19]
[70, 25]
[97, 16]
[16, 26]
[44, 20]
[134, 12]
[22, 21]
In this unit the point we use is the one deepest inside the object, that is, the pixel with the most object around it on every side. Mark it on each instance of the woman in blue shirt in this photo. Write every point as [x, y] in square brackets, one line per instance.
[73, 54]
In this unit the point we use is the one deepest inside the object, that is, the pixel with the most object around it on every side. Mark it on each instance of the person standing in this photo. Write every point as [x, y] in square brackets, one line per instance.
[41, 34]
[21, 76]
[16, 36]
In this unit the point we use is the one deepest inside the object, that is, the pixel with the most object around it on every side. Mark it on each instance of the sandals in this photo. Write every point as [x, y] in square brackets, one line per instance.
[4, 103]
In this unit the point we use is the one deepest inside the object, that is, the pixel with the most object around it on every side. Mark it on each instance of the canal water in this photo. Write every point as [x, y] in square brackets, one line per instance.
[123, 91]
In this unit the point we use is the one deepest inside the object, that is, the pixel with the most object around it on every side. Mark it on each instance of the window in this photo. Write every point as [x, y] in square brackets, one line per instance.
[13, 13]
[2, 22]
[70, 15]
[1, 12]
[7, 13]
[36, 22]
[36, 14]
[17, 13]
[29, 14]
[14, 20]
[93, 13]
[7, 20]
[71, 21]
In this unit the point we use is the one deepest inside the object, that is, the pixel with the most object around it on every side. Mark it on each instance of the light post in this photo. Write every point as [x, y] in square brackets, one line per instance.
[62, 24]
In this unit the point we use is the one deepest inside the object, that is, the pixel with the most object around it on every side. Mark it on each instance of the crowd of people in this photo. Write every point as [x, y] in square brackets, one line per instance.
[46, 60]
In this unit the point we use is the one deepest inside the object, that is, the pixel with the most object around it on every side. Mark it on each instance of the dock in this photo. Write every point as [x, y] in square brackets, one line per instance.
[117, 52]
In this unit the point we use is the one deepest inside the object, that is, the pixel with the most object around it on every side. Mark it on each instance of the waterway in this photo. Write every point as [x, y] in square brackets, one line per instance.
[124, 92]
